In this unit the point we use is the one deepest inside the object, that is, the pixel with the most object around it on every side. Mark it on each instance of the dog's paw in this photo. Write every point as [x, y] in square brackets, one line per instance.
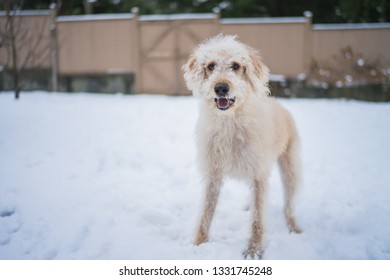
[253, 253]
[199, 242]
[200, 238]
[294, 228]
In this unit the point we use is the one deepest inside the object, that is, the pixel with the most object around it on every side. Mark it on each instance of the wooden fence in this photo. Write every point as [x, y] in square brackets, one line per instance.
[152, 48]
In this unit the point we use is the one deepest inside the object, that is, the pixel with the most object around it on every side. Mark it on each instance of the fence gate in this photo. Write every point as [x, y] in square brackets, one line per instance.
[164, 46]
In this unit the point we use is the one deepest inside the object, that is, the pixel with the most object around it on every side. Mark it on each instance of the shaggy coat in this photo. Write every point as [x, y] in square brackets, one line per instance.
[241, 131]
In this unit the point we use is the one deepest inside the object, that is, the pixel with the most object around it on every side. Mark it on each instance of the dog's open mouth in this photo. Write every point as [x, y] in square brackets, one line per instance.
[224, 103]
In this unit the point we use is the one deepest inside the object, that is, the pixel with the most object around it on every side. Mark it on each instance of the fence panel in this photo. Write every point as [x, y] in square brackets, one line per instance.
[153, 48]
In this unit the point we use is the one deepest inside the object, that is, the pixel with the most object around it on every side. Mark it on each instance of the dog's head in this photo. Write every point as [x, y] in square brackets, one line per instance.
[224, 72]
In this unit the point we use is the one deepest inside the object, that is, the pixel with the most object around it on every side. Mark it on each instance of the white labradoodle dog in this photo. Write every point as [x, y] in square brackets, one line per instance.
[241, 131]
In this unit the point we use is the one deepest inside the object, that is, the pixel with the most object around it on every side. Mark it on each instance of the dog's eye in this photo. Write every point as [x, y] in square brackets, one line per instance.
[211, 66]
[235, 66]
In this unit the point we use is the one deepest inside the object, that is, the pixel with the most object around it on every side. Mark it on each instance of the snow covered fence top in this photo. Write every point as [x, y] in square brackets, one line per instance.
[265, 20]
[27, 13]
[206, 16]
[98, 17]
[176, 17]
[351, 26]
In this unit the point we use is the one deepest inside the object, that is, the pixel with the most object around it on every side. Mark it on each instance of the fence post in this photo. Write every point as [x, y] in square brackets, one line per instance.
[53, 47]
[136, 50]
[307, 49]
[217, 20]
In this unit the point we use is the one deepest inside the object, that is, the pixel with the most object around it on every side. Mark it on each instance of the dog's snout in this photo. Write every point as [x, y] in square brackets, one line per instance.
[221, 89]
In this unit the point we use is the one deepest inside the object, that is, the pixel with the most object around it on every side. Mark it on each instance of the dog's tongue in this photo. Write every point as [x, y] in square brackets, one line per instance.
[223, 103]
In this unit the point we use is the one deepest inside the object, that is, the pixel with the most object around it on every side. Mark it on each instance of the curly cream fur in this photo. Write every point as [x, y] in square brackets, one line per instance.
[245, 140]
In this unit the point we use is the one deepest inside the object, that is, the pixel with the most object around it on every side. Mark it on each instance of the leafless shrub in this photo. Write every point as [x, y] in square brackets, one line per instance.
[347, 68]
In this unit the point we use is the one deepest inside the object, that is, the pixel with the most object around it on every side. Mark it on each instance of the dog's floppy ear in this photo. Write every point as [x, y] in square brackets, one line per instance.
[257, 73]
[193, 74]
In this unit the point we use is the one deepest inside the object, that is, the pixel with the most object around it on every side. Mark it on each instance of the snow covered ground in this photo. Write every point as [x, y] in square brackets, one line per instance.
[114, 177]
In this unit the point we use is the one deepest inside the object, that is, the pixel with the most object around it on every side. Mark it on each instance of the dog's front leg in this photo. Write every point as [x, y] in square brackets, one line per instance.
[255, 247]
[213, 187]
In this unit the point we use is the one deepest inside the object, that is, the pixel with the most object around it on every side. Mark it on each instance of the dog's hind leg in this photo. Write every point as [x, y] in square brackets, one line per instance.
[213, 187]
[290, 169]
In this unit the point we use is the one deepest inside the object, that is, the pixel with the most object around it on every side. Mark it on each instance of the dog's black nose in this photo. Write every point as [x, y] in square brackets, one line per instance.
[221, 89]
